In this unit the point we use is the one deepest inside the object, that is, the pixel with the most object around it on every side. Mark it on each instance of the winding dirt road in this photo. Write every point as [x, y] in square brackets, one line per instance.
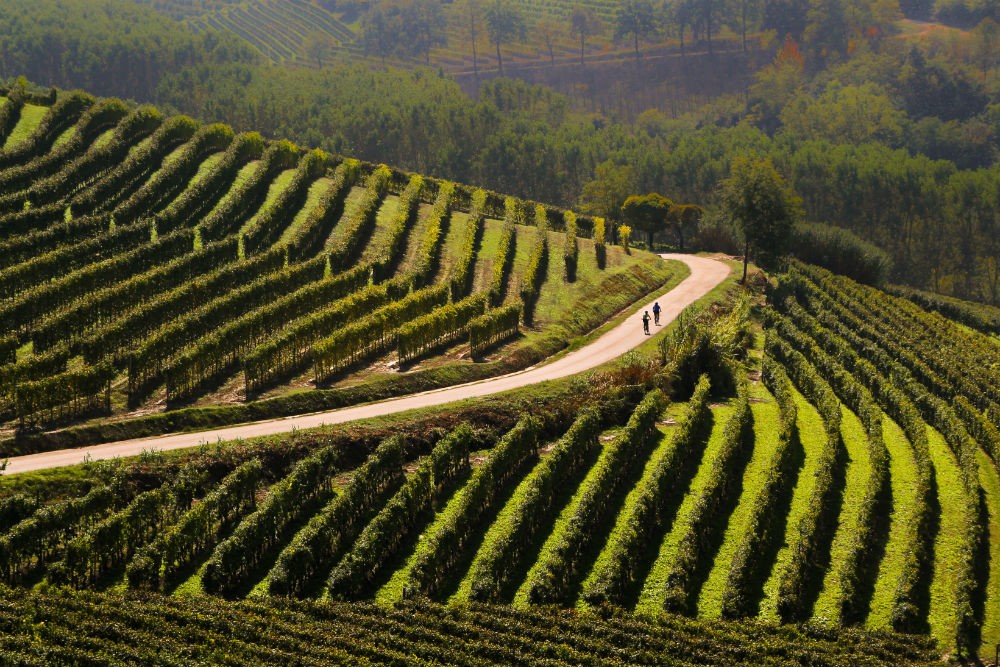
[706, 274]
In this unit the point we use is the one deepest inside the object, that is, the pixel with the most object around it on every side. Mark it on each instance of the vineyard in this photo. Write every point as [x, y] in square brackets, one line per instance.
[307, 33]
[837, 467]
[804, 475]
[149, 263]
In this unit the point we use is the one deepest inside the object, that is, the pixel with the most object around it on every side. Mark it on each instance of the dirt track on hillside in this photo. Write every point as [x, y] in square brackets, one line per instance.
[706, 274]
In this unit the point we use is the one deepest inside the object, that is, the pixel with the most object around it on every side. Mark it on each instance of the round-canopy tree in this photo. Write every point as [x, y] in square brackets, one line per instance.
[647, 213]
[763, 207]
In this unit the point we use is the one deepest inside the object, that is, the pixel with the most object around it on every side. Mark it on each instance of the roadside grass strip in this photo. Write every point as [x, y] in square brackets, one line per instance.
[767, 428]
[949, 547]
[813, 438]
[511, 544]
[649, 508]
[904, 474]
[653, 595]
[826, 611]
[990, 481]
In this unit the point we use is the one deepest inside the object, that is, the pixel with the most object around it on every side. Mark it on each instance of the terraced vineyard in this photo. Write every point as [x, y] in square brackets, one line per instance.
[828, 458]
[837, 488]
[288, 30]
[148, 263]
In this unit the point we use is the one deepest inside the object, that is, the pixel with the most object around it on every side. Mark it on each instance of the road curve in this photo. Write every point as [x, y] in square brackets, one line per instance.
[706, 274]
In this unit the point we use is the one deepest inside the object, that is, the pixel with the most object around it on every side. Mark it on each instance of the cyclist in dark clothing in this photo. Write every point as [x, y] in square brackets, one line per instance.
[656, 313]
[645, 322]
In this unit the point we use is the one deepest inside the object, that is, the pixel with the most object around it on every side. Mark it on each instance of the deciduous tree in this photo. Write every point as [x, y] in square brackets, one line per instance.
[762, 206]
[584, 23]
[637, 21]
[505, 24]
[647, 213]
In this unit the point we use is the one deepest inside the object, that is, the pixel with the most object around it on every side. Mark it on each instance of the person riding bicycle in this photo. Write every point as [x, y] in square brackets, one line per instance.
[645, 322]
[656, 313]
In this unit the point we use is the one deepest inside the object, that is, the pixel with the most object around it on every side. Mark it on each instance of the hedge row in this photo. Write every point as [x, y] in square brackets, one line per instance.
[291, 349]
[495, 326]
[314, 549]
[941, 415]
[241, 203]
[170, 180]
[170, 297]
[82, 170]
[534, 274]
[211, 202]
[503, 260]
[217, 354]
[147, 363]
[443, 324]
[371, 334]
[75, 321]
[764, 531]
[502, 562]
[382, 538]
[64, 395]
[561, 563]
[68, 110]
[600, 249]
[394, 245]
[237, 558]
[705, 530]
[197, 531]
[571, 246]
[114, 541]
[359, 226]
[803, 573]
[138, 164]
[272, 220]
[468, 516]
[649, 510]
[31, 542]
[429, 253]
[908, 612]
[22, 311]
[462, 273]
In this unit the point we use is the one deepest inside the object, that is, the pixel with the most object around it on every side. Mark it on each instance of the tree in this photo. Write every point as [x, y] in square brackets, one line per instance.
[647, 213]
[683, 218]
[426, 27]
[636, 18]
[549, 32]
[318, 46]
[584, 23]
[380, 29]
[505, 23]
[758, 201]
[606, 193]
